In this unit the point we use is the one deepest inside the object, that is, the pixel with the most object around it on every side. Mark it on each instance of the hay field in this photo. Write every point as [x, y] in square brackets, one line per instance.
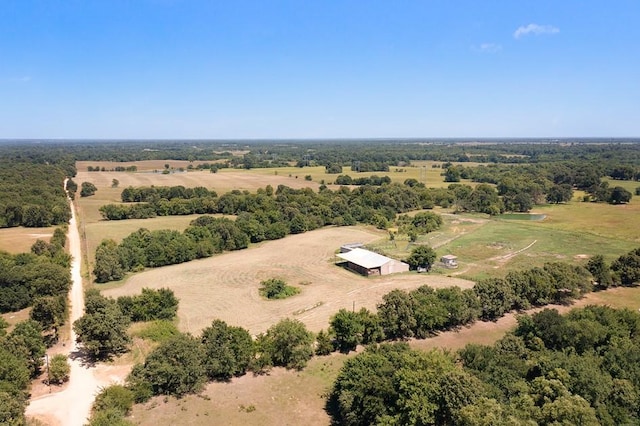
[226, 286]
[223, 181]
[20, 239]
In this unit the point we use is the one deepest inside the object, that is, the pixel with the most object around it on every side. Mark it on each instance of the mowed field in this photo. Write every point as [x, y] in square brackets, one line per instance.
[227, 286]
[20, 239]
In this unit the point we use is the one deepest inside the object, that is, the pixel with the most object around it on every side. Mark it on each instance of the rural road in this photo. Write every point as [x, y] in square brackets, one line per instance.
[71, 406]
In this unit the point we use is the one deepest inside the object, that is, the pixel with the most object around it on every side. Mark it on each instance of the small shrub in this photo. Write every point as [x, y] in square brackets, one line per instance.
[275, 288]
[114, 397]
[59, 369]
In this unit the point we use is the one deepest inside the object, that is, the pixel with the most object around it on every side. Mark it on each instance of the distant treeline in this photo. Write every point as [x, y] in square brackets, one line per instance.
[357, 154]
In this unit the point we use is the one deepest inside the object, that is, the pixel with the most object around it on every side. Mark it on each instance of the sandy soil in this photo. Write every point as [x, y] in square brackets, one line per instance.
[72, 404]
[227, 286]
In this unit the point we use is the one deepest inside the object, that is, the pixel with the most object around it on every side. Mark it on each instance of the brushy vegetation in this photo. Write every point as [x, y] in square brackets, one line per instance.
[158, 331]
[275, 288]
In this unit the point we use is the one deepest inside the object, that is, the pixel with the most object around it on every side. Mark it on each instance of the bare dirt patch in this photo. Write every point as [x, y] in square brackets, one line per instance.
[227, 286]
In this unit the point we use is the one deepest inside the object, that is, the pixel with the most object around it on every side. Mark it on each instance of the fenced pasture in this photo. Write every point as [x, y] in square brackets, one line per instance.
[227, 286]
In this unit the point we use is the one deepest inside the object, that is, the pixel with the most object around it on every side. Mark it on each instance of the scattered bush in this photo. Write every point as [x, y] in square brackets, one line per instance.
[275, 288]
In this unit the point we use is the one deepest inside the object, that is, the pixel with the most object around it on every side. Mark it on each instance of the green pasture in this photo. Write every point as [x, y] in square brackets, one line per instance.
[629, 185]
[490, 246]
[599, 219]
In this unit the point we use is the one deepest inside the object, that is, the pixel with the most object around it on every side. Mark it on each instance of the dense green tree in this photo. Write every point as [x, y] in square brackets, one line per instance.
[102, 330]
[626, 268]
[619, 195]
[50, 312]
[600, 271]
[26, 342]
[87, 189]
[276, 288]
[11, 409]
[496, 297]
[173, 368]
[559, 193]
[324, 343]
[114, 397]
[161, 304]
[228, 350]
[348, 330]
[107, 265]
[286, 344]
[397, 315]
[421, 257]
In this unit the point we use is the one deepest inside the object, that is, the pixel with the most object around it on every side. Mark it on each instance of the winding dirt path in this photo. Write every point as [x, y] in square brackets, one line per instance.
[71, 406]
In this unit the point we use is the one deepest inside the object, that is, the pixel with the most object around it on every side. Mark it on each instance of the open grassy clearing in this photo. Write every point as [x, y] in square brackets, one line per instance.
[422, 171]
[20, 239]
[601, 219]
[629, 185]
[279, 398]
[500, 245]
[223, 181]
[227, 286]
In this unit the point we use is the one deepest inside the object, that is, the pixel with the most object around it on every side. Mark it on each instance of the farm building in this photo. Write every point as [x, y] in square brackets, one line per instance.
[348, 247]
[368, 263]
[450, 261]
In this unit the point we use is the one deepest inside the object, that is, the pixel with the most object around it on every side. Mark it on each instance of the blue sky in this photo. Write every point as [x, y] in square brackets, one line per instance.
[319, 69]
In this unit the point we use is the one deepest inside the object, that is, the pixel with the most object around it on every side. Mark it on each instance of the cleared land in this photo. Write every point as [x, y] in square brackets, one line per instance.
[223, 181]
[227, 286]
[20, 239]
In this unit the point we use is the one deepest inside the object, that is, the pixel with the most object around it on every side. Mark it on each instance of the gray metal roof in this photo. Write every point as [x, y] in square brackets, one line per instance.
[365, 258]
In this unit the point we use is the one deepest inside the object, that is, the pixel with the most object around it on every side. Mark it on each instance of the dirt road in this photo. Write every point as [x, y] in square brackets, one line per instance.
[71, 406]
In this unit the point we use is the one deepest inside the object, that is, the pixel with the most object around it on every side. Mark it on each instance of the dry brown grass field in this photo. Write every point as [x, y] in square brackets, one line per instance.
[223, 181]
[226, 286]
[20, 239]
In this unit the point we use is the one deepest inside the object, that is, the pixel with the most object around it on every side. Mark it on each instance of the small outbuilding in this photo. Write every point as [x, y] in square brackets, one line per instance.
[449, 261]
[368, 263]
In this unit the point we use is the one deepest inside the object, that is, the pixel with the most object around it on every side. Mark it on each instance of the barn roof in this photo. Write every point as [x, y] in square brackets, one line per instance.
[365, 258]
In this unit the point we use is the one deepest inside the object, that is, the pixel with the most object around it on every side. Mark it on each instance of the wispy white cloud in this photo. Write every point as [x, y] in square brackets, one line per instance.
[487, 48]
[535, 29]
